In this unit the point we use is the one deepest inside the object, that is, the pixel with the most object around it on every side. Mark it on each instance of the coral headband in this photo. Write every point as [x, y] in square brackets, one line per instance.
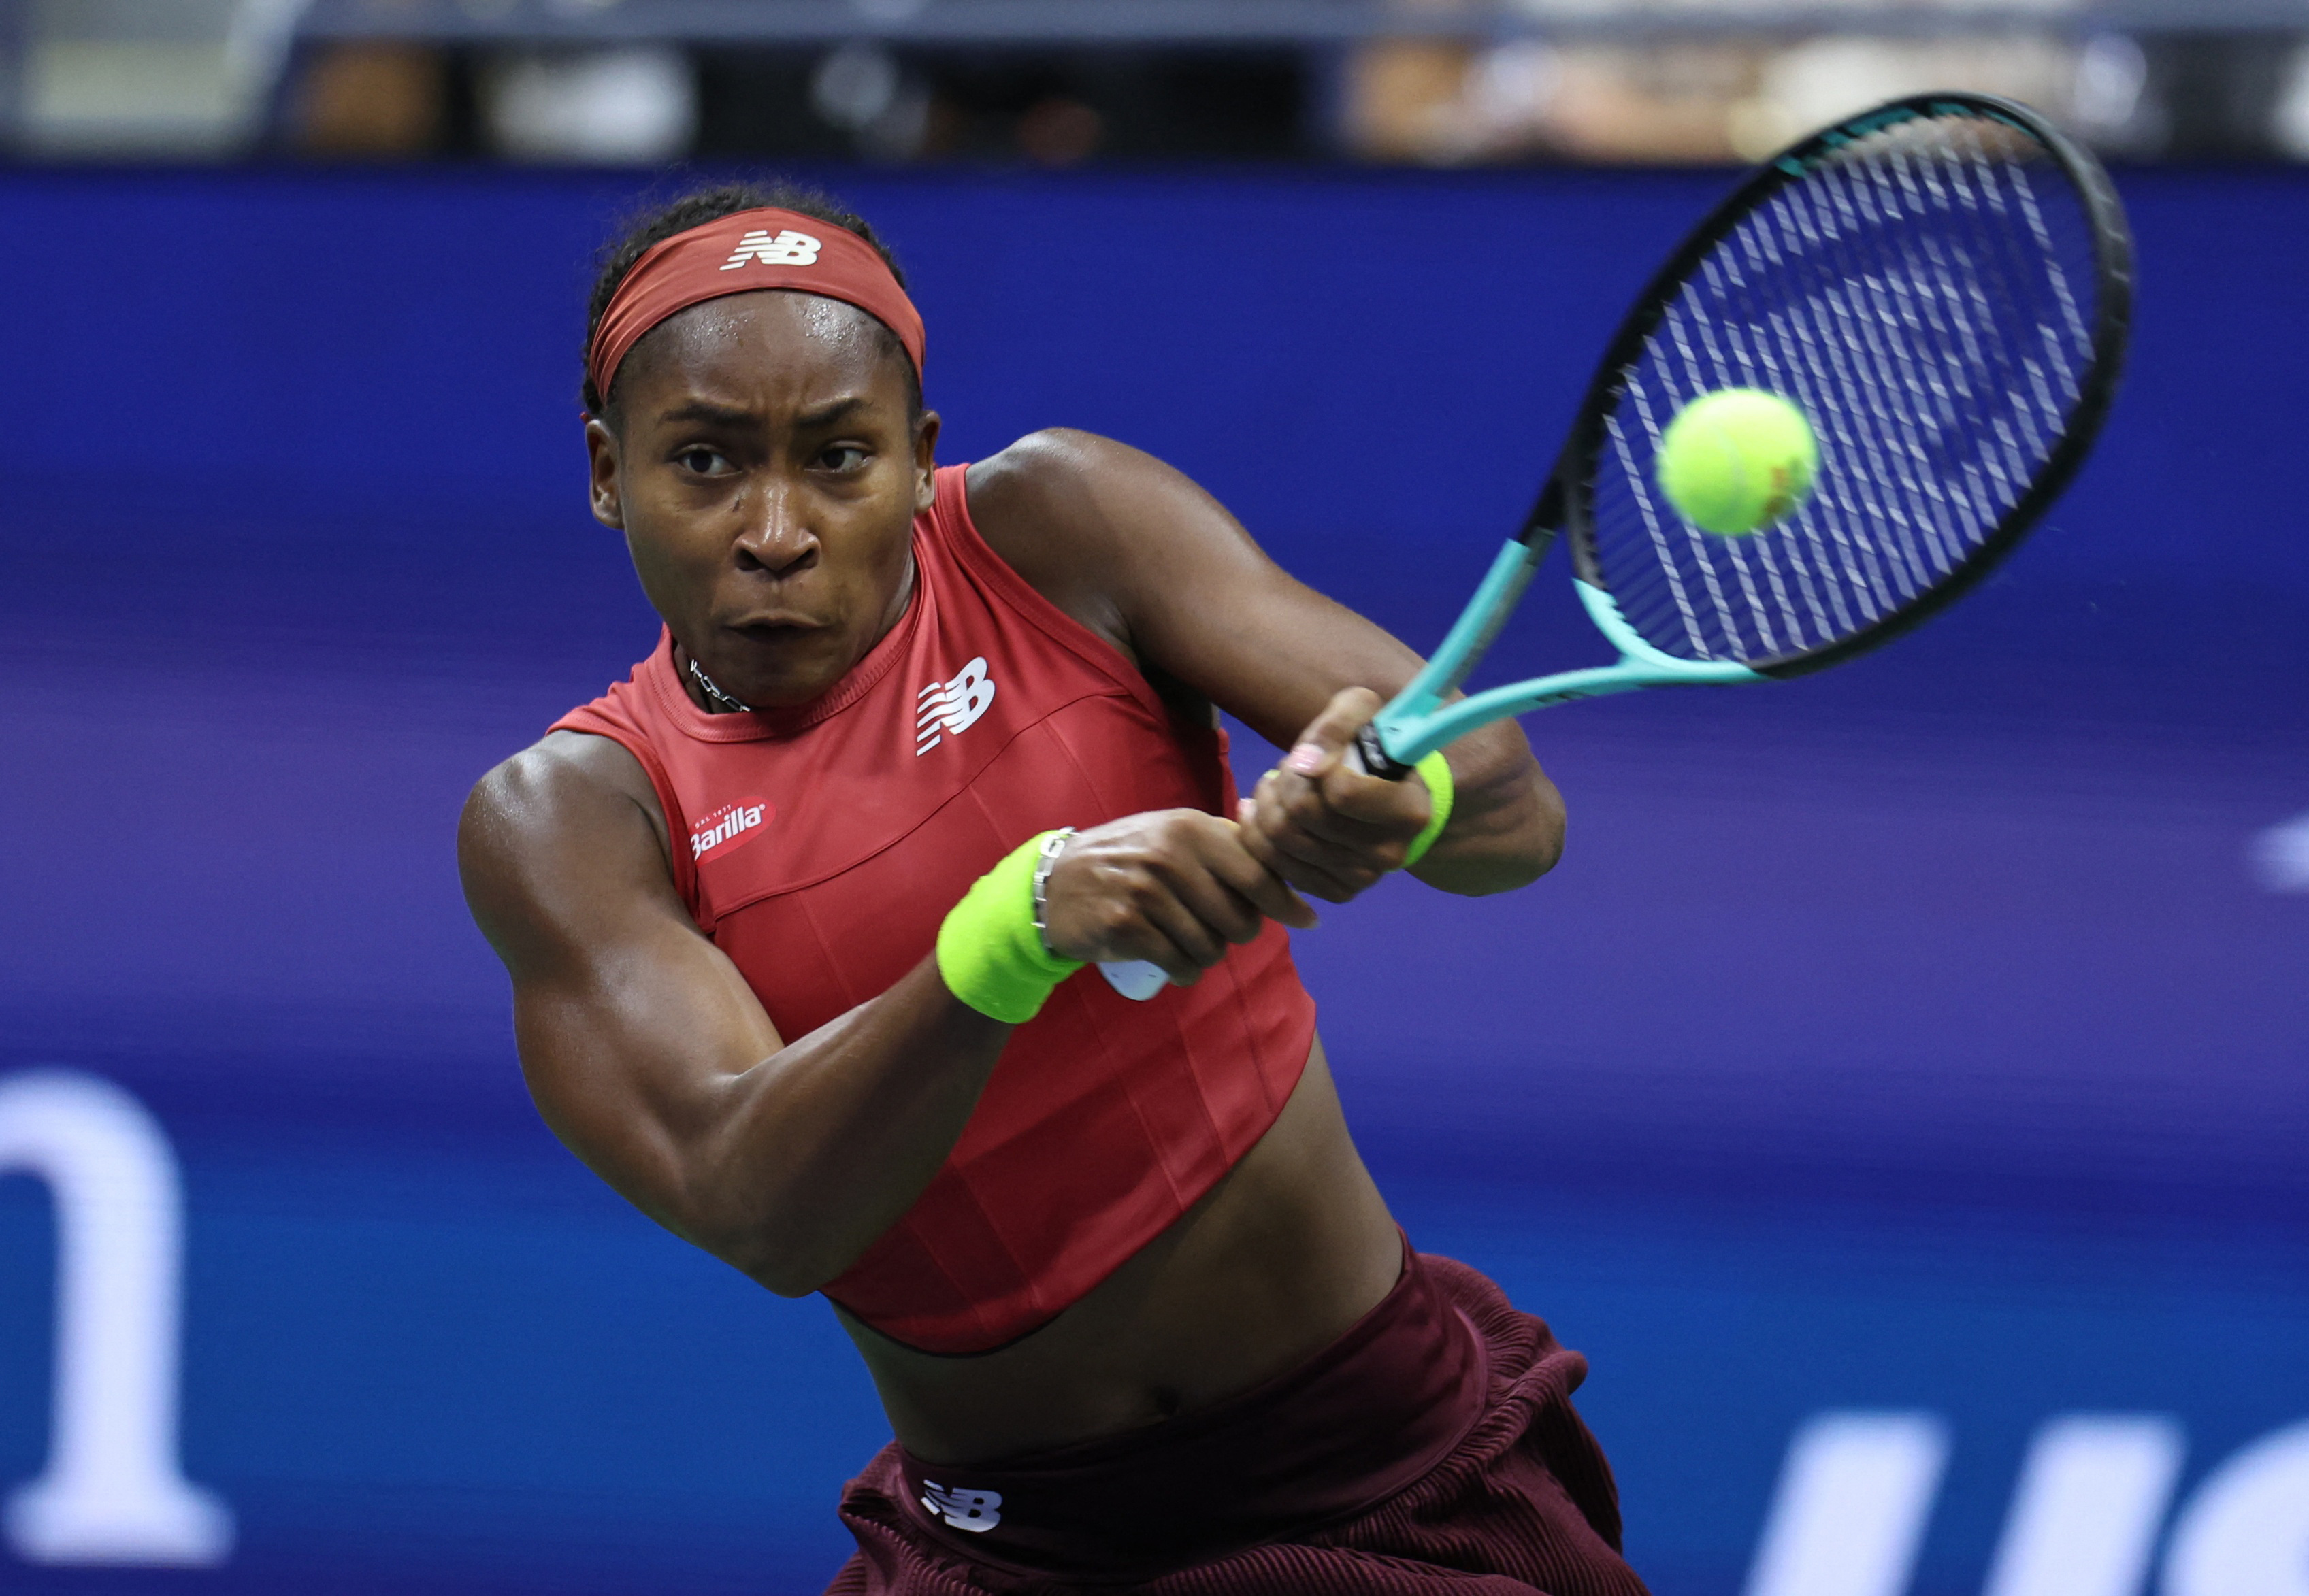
[741, 251]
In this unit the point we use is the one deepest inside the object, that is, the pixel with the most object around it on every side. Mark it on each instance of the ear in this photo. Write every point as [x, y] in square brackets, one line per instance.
[925, 462]
[602, 471]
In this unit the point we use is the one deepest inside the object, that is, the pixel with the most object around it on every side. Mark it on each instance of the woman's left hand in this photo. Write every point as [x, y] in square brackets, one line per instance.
[1319, 822]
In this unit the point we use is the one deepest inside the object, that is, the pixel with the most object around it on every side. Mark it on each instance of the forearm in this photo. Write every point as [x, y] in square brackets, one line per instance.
[650, 1055]
[789, 1167]
[823, 1144]
[1506, 829]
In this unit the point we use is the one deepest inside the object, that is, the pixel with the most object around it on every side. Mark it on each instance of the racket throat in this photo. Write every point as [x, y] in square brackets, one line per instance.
[1641, 665]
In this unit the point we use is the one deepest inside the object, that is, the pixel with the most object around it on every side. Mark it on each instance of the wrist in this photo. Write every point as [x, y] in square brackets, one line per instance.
[992, 953]
[1436, 771]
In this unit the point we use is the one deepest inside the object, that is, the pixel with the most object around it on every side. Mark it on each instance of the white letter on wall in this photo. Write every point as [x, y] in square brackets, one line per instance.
[2091, 1498]
[112, 1491]
[1851, 1507]
[2246, 1531]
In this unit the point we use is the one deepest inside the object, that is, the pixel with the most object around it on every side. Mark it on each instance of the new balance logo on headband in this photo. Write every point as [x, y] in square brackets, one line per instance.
[948, 709]
[788, 248]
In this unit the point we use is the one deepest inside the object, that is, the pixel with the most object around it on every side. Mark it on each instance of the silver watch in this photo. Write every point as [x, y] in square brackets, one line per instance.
[1045, 863]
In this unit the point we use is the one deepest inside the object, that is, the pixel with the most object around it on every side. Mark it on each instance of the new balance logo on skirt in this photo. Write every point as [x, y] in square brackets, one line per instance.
[963, 1508]
[788, 248]
[951, 708]
[730, 824]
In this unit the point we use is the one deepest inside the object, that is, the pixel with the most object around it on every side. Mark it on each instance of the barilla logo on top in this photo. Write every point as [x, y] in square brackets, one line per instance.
[950, 708]
[730, 827]
[788, 248]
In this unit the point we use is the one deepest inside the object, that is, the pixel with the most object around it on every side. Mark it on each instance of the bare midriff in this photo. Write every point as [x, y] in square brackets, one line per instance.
[1274, 1263]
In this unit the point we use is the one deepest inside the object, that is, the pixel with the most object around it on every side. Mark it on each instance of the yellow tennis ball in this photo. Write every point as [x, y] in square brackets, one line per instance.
[1737, 460]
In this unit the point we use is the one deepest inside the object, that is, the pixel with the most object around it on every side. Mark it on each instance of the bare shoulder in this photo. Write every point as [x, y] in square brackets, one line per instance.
[558, 788]
[1072, 484]
[1051, 471]
[547, 830]
[1094, 525]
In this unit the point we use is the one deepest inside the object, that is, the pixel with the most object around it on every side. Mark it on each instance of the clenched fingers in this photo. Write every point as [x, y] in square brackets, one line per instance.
[1321, 824]
[1173, 887]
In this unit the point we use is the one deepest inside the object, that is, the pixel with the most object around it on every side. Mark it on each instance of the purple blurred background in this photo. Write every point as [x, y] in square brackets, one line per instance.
[1925, 1038]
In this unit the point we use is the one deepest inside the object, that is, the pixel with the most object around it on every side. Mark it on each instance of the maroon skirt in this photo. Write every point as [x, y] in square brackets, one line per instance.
[1432, 1449]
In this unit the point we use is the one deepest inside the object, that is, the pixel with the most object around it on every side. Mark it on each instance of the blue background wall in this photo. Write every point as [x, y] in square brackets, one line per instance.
[1916, 1037]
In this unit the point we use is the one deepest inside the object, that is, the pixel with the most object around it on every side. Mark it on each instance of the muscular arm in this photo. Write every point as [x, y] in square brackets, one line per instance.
[649, 1055]
[1140, 554]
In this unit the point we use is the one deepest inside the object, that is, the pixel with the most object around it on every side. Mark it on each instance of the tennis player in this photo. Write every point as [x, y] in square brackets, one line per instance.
[797, 918]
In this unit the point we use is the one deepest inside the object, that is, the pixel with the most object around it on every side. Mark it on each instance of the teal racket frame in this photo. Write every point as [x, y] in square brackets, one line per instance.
[1417, 720]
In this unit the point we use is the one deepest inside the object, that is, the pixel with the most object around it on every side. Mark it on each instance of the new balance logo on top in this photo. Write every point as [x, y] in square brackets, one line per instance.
[952, 707]
[969, 1510]
[730, 826]
[788, 248]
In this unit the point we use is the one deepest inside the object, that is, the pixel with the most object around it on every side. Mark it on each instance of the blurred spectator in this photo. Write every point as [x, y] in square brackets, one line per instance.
[1676, 101]
[2291, 120]
[863, 89]
[1054, 107]
[374, 100]
[1445, 103]
[635, 106]
[1819, 81]
[2114, 106]
[1058, 132]
[2225, 94]
[519, 80]
[138, 79]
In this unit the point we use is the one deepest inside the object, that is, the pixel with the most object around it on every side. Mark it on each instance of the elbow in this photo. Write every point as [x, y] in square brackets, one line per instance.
[785, 1275]
[775, 1256]
[770, 1237]
[1507, 829]
[767, 1205]
[1510, 857]
[1525, 849]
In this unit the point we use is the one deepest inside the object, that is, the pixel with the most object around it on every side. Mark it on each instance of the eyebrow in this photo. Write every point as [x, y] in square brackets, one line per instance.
[721, 415]
[826, 415]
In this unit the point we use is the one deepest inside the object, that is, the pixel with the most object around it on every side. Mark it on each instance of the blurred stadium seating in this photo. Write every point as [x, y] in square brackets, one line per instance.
[1059, 81]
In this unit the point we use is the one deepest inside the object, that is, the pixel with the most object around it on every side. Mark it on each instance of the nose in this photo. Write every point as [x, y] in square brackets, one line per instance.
[774, 534]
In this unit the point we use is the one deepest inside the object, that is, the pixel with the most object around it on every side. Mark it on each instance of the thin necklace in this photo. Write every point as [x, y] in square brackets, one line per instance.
[716, 693]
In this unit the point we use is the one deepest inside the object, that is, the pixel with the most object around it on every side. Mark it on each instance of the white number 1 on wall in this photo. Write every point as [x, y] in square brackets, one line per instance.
[112, 1491]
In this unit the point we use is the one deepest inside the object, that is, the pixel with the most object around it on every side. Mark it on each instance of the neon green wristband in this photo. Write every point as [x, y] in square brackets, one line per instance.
[1436, 771]
[991, 951]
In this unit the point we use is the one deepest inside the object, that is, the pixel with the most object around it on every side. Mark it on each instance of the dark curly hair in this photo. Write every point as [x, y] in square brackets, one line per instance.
[695, 209]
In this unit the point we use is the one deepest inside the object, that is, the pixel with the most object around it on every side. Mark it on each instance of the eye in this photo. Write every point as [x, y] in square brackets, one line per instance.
[700, 460]
[842, 459]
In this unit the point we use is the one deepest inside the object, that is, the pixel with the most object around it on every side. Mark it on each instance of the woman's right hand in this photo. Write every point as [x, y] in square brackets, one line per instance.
[1174, 887]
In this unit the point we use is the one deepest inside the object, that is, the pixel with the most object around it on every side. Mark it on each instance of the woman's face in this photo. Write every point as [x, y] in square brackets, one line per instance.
[766, 473]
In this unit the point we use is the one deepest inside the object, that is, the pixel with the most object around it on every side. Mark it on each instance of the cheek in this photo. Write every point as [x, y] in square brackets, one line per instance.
[674, 531]
[675, 573]
[869, 544]
[657, 576]
[890, 551]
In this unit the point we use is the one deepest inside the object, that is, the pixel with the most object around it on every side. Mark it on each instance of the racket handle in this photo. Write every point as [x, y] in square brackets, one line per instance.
[1139, 980]
[1371, 756]
[1134, 978]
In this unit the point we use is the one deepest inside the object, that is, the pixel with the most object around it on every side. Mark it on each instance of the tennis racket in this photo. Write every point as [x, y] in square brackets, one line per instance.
[1944, 285]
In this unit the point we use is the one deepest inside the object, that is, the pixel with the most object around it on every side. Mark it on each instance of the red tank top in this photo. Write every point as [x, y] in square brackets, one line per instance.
[820, 847]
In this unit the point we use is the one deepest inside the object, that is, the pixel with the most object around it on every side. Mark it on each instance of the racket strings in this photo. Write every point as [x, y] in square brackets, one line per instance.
[1926, 294]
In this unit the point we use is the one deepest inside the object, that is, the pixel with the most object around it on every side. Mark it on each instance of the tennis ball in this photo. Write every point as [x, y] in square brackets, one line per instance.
[1737, 460]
